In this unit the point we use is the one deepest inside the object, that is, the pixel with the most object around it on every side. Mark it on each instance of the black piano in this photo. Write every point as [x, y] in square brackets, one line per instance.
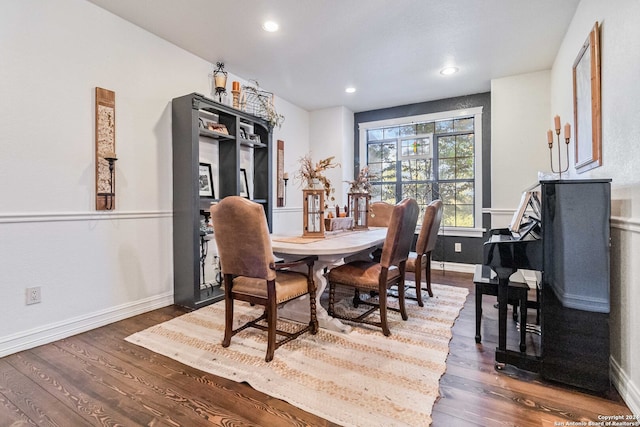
[568, 243]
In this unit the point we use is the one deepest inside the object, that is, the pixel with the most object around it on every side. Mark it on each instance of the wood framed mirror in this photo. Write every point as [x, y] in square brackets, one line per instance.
[587, 104]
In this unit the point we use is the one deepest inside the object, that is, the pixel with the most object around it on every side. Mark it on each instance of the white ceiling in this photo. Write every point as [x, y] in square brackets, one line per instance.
[390, 50]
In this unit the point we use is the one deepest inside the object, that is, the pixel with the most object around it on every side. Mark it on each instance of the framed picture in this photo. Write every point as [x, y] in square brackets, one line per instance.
[244, 184]
[206, 181]
[586, 104]
[243, 133]
[218, 127]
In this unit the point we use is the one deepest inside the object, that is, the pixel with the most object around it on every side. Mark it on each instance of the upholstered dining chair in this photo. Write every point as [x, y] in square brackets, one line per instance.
[380, 276]
[380, 214]
[251, 273]
[420, 260]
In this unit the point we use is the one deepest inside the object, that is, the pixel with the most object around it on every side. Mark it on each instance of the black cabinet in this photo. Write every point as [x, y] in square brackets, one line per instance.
[237, 146]
[575, 289]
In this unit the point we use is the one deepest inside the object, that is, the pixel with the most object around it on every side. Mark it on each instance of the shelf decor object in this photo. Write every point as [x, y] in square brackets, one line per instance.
[260, 103]
[359, 209]
[587, 104]
[105, 141]
[313, 213]
[220, 80]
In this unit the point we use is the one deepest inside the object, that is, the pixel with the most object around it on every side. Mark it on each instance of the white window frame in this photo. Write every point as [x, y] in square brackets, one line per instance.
[476, 112]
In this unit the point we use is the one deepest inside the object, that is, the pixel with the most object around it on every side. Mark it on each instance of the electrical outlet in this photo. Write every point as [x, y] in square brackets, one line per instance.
[34, 295]
[457, 247]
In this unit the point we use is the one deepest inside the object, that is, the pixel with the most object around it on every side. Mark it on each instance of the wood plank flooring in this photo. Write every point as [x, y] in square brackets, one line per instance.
[98, 379]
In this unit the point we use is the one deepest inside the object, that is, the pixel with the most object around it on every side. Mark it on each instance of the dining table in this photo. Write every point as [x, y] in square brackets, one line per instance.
[330, 250]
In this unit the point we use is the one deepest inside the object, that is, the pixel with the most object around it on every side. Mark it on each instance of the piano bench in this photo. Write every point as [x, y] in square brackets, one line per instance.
[517, 296]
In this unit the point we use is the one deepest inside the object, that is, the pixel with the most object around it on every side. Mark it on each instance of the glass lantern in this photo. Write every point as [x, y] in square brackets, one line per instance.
[359, 209]
[313, 213]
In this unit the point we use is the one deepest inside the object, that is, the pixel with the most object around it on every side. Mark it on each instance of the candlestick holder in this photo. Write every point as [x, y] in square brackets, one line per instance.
[560, 168]
[236, 98]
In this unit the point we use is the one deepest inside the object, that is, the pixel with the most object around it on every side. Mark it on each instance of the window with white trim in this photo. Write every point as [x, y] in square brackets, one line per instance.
[429, 157]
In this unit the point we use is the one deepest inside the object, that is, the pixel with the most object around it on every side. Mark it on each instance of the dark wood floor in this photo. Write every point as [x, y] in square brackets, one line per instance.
[96, 378]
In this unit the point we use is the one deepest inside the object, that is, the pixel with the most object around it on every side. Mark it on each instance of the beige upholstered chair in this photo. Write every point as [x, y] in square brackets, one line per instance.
[380, 276]
[251, 274]
[380, 214]
[420, 260]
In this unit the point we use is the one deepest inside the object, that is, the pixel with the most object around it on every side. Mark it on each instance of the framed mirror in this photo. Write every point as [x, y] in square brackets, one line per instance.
[587, 104]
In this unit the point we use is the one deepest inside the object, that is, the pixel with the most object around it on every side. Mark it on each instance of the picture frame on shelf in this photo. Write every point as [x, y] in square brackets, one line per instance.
[254, 138]
[587, 104]
[243, 133]
[244, 184]
[205, 181]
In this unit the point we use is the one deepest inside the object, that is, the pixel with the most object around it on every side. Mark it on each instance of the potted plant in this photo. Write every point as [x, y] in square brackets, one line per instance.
[310, 174]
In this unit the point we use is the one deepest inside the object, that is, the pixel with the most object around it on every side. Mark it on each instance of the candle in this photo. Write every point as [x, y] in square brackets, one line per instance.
[567, 131]
[556, 120]
[550, 138]
[236, 85]
[285, 175]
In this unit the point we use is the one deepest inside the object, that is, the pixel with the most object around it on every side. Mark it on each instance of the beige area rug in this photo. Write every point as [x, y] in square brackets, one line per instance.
[358, 379]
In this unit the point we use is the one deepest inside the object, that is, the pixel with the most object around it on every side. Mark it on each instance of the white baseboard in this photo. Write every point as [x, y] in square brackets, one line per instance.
[452, 266]
[629, 391]
[66, 328]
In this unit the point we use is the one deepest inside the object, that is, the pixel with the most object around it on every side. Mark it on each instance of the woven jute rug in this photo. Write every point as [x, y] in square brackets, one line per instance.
[357, 379]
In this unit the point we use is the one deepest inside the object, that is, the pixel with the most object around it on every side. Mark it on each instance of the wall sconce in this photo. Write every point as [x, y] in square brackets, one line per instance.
[220, 80]
[109, 197]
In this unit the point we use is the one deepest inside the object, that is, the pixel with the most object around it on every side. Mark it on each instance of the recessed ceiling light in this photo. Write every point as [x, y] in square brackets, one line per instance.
[448, 71]
[350, 89]
[270, 26]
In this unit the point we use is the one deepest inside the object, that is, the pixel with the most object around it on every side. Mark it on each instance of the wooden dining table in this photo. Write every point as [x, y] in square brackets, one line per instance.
[331, 251]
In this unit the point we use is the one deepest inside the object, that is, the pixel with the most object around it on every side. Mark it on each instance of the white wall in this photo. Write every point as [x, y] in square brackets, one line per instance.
[620, 68]
[93, 267]
[520, 116]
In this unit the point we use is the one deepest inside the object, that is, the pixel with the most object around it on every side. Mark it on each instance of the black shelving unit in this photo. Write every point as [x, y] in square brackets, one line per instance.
[188, 206]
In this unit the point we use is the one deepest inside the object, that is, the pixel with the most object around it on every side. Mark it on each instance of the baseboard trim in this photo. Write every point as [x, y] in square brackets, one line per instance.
[629, 391]
[452, 266]
[57, 331]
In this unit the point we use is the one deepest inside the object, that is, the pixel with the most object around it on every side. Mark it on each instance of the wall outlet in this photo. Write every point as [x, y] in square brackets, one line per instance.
[33, 295]
[457, 247]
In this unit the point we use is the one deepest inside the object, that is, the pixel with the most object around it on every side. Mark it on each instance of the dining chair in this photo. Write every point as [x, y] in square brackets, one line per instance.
[380, 276]
[380, 214]
[251, 274]
[420, 260]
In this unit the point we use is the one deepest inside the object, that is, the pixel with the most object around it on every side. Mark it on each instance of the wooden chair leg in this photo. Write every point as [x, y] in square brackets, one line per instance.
[401, 300]
[332, 298]
[272, 318]
[383, 310]
[418, 279]
[313, 322]
[356, 297]
[228, 313]
[427, 274]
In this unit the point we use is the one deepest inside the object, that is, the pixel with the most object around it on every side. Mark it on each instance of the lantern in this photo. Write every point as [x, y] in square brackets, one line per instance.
[313, 213]
[359, 209]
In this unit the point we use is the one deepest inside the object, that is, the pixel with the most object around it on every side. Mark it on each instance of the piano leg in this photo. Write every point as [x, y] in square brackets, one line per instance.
[523, 322]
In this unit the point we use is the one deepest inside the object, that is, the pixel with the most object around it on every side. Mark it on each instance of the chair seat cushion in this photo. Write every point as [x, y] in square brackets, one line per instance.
[411, 262]
[289, 285]
[361, 274]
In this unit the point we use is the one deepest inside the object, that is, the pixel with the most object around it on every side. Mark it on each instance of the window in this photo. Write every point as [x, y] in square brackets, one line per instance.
[429, 157]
